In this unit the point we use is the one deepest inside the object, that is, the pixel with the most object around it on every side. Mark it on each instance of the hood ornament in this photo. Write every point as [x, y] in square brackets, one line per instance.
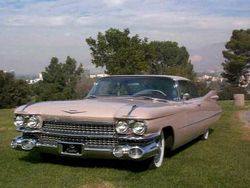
[132, 109]
[73, 111]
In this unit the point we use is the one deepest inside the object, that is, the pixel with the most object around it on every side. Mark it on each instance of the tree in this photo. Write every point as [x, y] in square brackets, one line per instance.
[59, 80]
[118, 52]
[237, 56]
[121, 54]
[202, 87]
[83, 86]
[166, 57]
[13, 92]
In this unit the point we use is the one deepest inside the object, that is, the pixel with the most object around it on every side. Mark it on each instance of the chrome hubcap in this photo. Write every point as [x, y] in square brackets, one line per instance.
[159, 157]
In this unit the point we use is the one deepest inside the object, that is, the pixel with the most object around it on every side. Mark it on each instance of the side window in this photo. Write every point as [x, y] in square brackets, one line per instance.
[183, 88]
[193, 90]
[187, 87]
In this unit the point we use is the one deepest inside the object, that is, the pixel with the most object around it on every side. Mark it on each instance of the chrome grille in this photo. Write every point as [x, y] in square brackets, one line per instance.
[78, 128]
[89, 142]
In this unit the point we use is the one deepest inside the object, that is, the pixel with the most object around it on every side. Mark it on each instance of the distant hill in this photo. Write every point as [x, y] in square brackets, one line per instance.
[26, 76]
[208, 58]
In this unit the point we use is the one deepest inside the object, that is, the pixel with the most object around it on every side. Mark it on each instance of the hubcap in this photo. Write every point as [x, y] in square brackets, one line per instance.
[159, 157]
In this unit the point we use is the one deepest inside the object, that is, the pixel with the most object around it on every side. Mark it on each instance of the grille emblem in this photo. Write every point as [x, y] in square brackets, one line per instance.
[73, 111]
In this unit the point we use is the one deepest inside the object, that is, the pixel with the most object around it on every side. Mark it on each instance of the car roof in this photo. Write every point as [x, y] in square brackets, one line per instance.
[175, 78]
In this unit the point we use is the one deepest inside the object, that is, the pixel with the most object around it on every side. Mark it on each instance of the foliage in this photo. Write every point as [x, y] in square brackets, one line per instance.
[166, 57]
[237, 56]
[202, 88]
[227, 92]
[118, 52]
[59, 80]
[83, 86]
[185, 70]
[210, 163]
[121, 54]
[215, 85]
[13, 92]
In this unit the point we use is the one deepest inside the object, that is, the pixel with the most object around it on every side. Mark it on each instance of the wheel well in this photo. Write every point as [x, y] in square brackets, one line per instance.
[169, 136]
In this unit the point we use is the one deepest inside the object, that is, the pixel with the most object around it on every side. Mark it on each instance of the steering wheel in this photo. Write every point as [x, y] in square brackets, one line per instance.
[151, 93]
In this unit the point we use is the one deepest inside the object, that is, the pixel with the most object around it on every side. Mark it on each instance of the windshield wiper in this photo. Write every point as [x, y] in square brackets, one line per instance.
[91, 97]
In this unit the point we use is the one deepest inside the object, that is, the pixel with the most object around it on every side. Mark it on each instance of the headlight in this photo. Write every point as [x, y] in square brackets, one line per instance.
[19, 121]
[139, 128]
[121, 127]
[131, 126]
[33, 122]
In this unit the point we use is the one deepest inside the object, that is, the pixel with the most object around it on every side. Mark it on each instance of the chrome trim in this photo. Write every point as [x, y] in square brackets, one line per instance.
[27, 105]
[79, 122]
[89, 142]
[149, 149]
[132, 109]
[25, 130]
[81, 128]
[76, 135]
[28, 130]
[191, 124]
[122, 137]
[19, 143]
[139, 138]
[98, 149]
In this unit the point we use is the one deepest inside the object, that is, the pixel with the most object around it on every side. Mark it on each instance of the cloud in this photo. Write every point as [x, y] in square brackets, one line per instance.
[61, 26]
[23, 20]
[196, 58]
[86, 20]
[114, 3]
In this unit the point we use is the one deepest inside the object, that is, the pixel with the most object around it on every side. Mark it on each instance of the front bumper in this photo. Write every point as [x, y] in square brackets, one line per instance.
[140, 151]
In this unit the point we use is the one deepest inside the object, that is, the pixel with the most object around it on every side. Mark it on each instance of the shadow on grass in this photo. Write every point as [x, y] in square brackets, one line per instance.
[129, 165]
[170, 154]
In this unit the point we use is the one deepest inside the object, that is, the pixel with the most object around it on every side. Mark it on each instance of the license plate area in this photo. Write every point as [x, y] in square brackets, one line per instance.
[71, 149]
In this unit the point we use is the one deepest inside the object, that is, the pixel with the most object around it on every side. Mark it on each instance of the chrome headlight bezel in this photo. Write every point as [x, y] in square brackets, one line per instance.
[130, 126]
[139, 128]
[19, 121]
[122, 127]
[33, 122]
[27, 121]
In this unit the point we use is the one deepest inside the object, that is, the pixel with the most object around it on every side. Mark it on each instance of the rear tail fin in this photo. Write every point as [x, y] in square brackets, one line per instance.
[211, 95]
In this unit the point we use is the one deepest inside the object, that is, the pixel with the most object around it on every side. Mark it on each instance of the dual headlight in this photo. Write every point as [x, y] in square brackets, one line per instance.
[27, 121]
[126, 127]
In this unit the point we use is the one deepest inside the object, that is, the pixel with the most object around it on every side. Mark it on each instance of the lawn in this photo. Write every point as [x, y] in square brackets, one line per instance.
[221, 161]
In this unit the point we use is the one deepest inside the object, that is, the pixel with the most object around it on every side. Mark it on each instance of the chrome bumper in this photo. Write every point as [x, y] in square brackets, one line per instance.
[136, 152]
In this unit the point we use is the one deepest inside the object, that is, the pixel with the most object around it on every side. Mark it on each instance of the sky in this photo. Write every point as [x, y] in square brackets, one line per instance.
[33, 31]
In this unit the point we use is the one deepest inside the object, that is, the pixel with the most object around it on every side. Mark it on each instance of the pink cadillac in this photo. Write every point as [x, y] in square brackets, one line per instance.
[125, 117]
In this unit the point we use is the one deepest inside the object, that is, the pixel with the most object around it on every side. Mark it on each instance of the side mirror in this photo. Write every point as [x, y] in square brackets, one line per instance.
[186, 96]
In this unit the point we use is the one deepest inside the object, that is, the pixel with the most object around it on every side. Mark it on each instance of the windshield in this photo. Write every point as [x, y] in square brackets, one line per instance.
[134, 86]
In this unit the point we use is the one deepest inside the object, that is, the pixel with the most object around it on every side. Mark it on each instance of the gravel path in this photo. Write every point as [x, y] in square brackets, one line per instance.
[246, 116]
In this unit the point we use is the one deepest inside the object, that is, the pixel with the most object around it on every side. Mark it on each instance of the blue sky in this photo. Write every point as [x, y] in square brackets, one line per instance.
[33, 31]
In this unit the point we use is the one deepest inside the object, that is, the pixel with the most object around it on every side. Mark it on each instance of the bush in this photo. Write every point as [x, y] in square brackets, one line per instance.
[13, 92]
[202, 88]
[228, 92]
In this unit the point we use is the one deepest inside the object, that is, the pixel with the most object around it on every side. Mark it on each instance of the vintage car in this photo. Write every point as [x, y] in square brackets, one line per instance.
[125, 117]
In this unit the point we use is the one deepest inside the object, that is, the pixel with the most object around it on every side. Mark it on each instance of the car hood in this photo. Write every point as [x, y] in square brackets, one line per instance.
[101, 109]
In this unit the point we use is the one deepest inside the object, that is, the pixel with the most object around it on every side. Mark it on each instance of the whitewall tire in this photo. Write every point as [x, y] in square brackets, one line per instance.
[157, 160]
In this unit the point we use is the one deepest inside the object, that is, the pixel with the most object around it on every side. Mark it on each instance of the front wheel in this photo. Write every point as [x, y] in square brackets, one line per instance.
[157, 160]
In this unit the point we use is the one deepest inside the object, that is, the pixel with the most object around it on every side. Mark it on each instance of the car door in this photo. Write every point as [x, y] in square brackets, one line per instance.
[194, 107]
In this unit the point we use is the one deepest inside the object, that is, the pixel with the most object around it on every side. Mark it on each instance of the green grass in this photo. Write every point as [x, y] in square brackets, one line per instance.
[221, 161]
